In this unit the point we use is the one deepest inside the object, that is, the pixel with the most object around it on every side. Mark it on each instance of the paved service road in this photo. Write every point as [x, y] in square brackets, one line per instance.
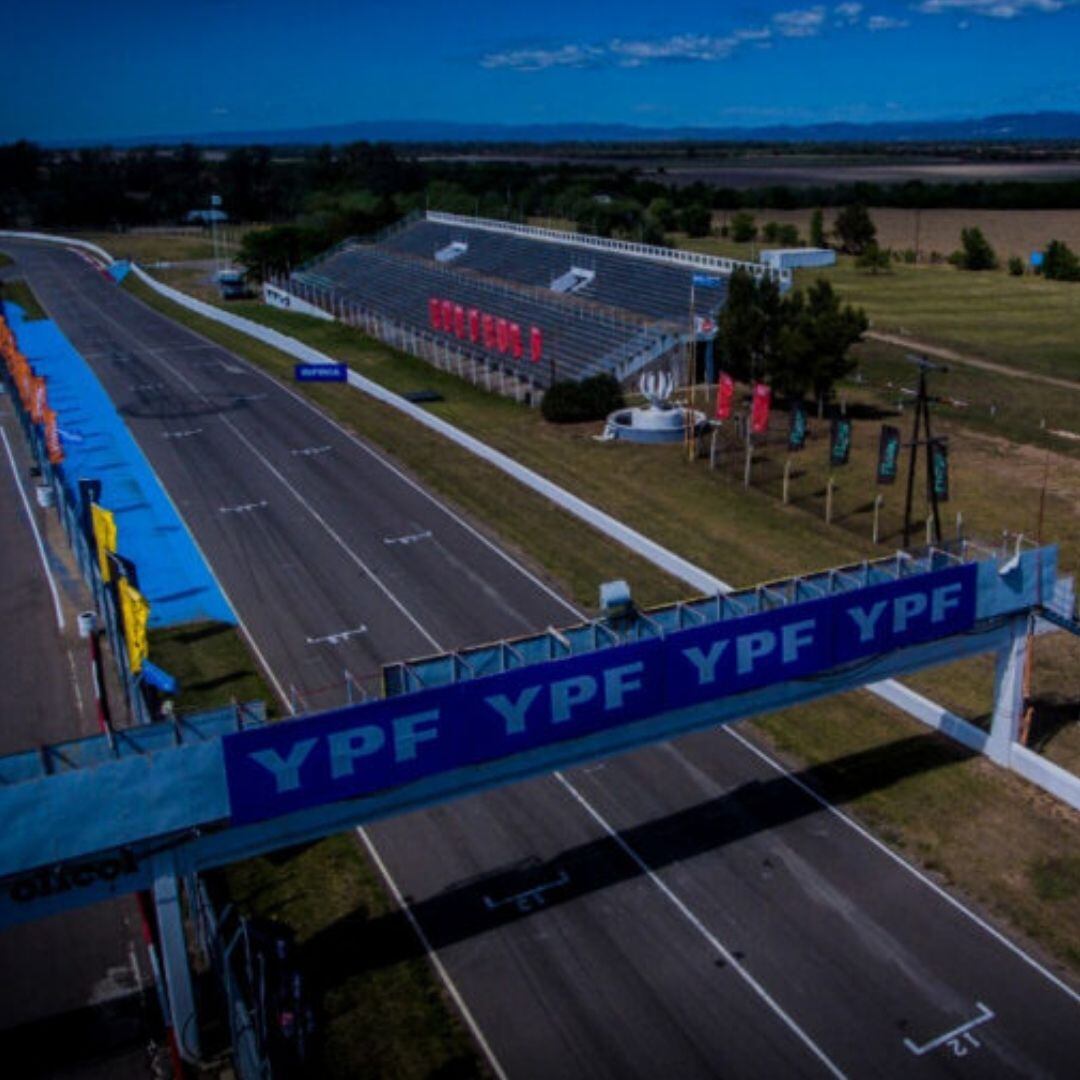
[75, 993]
[685, 910]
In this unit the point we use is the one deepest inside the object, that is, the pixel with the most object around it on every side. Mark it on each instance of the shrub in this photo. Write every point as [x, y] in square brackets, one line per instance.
[743, 229]
[578, 402]
[976, 252]
[908, 256]
[1060, 262]
[1016, 266]
[874, 259]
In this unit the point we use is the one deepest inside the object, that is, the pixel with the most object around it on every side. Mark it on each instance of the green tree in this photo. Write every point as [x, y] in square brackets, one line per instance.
[817, 228]
[1060, 262]
[742, 227]
[1016, 266]
[855, 229]
[975, 251]
[695, 220]
[874, 259]
[662, 211]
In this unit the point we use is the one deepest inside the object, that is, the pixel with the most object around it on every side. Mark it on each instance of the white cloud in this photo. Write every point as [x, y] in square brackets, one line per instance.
[877, 23]
[848, 13]
[992, 9]
[679, 47]
[542, 59]
[805, 22]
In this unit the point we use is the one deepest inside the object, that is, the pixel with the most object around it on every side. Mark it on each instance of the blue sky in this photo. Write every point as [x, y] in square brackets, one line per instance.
[117, 68]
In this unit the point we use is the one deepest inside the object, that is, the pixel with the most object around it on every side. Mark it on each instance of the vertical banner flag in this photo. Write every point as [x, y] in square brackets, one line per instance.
[53, 446]
[459, 321]
[759, 411]
[516, 348]
[840, 442]
[487, 328]
[796, 439]
[474, 325]
[435, 313]
[104, 525]
[725, 395]
[447, 316]
[888, 455]
[939, 460]
[502, 332]
[136, 612]
[38, 399]
[536, 345]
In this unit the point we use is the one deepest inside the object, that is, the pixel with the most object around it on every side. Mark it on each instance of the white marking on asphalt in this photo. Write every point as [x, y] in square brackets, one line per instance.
[181, 434]
[247, 397]
[529, 899]
[243, 508]
[338, 638]
[411, 538]
[960, 1035]
[436, 961]
[145, 387]
[930, 884]
[701, 928]
[57, 607]
[310, 451]
[75, 682]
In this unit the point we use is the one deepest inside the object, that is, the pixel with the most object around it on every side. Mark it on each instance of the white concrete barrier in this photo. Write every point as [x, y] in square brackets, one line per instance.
[1038, 770]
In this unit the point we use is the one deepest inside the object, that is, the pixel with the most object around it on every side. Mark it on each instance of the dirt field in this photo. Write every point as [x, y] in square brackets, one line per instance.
[1010, 232]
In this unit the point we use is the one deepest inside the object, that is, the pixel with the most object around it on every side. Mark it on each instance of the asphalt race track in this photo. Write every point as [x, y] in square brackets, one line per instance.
[688, 910]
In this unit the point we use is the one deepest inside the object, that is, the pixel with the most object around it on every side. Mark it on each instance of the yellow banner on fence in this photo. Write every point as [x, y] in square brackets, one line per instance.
[104, 537]
[136, 613]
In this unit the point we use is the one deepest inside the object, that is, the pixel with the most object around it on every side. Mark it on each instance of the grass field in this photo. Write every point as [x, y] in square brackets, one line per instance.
[1026, 322]
[1001, 839]
[17, 291]
[162, 245]
[1010, 232]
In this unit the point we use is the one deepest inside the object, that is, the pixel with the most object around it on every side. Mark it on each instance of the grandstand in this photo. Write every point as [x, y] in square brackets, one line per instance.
[535, 304]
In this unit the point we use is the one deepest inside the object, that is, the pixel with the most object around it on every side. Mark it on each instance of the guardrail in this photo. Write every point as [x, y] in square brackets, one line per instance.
[894, 693]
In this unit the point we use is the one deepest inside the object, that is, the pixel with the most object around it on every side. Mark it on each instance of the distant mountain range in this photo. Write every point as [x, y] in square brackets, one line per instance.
[1009, 127]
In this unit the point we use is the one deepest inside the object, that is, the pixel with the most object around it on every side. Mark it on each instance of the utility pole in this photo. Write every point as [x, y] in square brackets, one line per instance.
[922, 420]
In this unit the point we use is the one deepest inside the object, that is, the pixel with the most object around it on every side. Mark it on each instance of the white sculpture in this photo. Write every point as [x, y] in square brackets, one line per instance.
[656, 387]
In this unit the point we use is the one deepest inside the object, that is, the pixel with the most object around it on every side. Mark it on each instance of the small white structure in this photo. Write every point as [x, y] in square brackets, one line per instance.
[659, 421]
[796, 258]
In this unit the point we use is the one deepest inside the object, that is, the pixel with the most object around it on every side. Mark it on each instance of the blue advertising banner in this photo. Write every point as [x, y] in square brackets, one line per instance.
[379, 745]
[320, 372]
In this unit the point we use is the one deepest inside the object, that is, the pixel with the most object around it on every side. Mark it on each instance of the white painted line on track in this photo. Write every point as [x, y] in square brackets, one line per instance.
[411, 538]
[701, 928]
[267, 670]
[57, 606]
[448, 982]
[899, 860]
[338, 637]
[244, 508]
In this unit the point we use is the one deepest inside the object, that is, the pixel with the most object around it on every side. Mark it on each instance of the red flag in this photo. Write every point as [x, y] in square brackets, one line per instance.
[435, 313]
[759, 415]
[536, 344]
[725, 394]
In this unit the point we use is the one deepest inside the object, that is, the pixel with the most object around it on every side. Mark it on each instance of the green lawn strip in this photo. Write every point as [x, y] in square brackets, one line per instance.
[708, 518]
[1017, 410]
[213, 665]
[17, 291]
[382, 1012]
[1027, 321]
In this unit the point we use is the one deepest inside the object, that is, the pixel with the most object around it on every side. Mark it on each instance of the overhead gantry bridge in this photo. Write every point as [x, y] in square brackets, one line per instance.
[107, 815]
